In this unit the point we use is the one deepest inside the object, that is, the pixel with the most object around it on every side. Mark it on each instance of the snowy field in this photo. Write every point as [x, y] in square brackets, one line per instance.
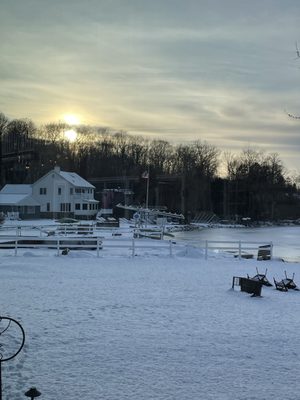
[146, 328]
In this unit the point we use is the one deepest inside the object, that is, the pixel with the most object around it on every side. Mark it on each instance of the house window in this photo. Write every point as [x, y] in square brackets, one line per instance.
[84, 206]
[65, 207]
[48, 207]
[59, 191]
[77, 206]
[43, 190]
[71, 191]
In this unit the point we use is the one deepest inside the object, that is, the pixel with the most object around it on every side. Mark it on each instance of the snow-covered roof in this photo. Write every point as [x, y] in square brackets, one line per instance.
[75, 179]
[17, 200]
[70, 177]
[17, 195]
[16, 189]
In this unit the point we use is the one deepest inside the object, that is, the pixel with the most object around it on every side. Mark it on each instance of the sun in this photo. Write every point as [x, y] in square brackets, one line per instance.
[70, 135]
[71, 119]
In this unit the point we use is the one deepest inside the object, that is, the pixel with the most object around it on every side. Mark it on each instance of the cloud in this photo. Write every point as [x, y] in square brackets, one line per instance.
[166, 69]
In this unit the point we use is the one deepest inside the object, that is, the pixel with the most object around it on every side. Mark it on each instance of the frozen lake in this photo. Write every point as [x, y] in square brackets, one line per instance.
[286, 240]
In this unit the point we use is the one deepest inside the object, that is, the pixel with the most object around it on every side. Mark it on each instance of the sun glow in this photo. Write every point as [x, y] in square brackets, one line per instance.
[70, 135]
[71, 119]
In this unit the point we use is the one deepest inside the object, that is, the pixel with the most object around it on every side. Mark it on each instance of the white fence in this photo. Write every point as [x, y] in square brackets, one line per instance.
[239, 248]
[73, 229]
[131, 246]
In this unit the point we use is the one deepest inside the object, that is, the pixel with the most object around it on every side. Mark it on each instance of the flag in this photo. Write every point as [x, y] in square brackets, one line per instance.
[145, 175]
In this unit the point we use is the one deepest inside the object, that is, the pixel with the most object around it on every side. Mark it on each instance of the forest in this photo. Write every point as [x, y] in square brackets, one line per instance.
[184, 178]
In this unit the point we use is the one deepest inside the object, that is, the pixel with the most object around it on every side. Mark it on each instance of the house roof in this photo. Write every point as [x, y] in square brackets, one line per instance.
[70, 177]
[75, 179]
[17, 195]
[17, 200]
[16, 189]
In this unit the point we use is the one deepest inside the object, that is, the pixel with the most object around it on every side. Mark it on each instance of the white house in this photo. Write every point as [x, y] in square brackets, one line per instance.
[56, 194]
[65, 193]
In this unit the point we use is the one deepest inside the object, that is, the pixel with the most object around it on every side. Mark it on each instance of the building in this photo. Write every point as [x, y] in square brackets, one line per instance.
[56, 194]
[17, 201]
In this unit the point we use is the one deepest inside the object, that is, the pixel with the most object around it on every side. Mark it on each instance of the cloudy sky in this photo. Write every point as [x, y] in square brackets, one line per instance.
[224, 71]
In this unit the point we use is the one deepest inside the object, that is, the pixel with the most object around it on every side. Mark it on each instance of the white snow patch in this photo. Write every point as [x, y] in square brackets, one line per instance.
[149, 328]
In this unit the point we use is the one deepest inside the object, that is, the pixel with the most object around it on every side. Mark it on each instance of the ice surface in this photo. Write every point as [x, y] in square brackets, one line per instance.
[285, 238]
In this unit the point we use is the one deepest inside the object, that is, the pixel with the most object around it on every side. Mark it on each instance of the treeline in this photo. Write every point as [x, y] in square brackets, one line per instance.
[185, 178]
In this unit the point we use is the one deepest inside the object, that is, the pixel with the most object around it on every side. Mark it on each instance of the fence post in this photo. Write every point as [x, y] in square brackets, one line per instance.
[57, 247]
[240, 250]
[133, 247]
[206, 249]
[171, 248]
[16, 247]
[271, 250]
[97, 247]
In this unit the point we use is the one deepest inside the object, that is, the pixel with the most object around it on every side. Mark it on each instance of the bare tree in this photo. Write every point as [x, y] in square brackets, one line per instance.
[3, 124]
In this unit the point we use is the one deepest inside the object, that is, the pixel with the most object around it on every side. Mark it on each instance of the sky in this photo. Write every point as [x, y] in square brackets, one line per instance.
[221, 71]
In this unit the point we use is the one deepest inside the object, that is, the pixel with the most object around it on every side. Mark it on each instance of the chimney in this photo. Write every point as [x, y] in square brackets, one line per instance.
[57, 169]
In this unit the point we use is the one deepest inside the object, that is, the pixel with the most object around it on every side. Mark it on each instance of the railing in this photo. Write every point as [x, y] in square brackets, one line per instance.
[84, 243]
[239, 248]
[49, 230]
[75, 229]
[133, 245]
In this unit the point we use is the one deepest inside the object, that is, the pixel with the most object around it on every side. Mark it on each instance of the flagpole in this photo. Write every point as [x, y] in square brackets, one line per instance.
[147, 192]
[147, 199]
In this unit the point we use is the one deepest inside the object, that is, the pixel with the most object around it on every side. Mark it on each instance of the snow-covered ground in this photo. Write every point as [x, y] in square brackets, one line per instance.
[149, 327]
